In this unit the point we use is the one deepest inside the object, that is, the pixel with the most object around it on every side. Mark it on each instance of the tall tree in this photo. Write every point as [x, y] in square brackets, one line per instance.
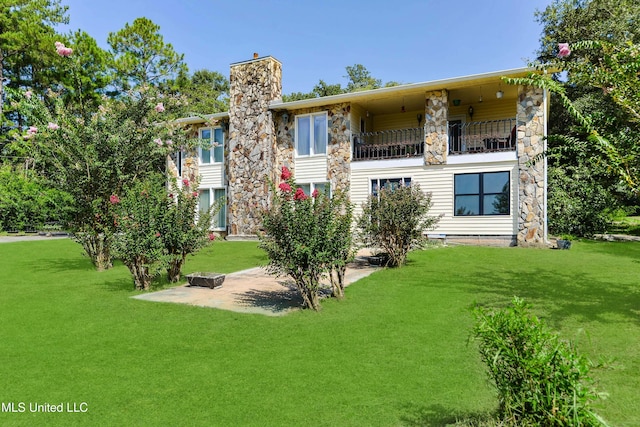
[205, 91]
[360, 79]
[26, 37]
[141, 57]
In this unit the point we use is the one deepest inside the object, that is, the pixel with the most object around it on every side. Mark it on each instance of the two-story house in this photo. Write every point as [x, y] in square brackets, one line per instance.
[470, 141]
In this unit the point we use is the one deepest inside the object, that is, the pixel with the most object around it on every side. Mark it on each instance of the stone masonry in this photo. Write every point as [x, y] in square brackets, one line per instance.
[436, 128]
[531, 192]
[252, 141]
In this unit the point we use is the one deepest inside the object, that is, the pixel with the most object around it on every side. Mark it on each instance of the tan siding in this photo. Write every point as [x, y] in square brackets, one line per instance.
[397, 121]
[487, 110]
[311, 169]
[439, 181]
[212, 176]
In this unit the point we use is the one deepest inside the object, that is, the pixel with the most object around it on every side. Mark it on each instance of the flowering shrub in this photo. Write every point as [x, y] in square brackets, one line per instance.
[139, 217]
[301, 237]
[183, 232]
[395, 221]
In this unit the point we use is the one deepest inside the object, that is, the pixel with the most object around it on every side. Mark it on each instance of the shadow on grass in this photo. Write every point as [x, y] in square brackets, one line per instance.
[562, 294]
[272, 300]
[440, 416]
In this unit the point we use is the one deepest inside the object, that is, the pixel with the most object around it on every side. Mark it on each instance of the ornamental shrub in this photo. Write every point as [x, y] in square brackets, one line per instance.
[301, 237]
[138, 217]
[183, 232]
[540, 379]
[395, 220]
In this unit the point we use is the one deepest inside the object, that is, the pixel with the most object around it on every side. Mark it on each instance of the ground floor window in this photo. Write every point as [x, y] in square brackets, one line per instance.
[481, 193]
[389, 183]
[311, 187]
[217, 196]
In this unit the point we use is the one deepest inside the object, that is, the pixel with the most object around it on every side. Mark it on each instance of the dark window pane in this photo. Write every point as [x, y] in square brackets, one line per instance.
[467, 205]
[496, 204]
[467, 184]
[497, 182]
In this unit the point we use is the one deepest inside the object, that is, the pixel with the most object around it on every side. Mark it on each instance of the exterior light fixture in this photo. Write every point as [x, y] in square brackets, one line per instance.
[471, 112]
[499, 93]
[285, 117]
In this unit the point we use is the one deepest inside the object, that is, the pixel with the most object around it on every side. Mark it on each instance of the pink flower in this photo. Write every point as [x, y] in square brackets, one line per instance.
[158, 141]
[285, 187]
[168, 142]
[286, 173]
[157, 234]
[159, 107]
[28, 94]
[563, 50]
[212, 236]
[53, 126]
[300, 195]
[185, 182]
[114, 199]
[63, 50]
[315, 193]
[32, 129]
[194, 194]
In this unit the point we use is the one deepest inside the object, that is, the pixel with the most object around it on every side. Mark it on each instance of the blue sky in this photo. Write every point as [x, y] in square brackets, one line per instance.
[407, 41]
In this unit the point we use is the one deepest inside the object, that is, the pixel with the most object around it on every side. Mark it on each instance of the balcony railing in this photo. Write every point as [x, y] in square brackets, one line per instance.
[479, 137]
[388, 144]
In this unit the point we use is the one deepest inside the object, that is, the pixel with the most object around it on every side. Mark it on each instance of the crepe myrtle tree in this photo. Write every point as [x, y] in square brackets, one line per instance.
[300, 237]
[395, 220]
[183, 231]
[92, 155]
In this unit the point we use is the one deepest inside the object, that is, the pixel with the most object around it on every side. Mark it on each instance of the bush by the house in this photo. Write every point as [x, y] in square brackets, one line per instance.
[300, 237]
[540, 379]
[395, 220]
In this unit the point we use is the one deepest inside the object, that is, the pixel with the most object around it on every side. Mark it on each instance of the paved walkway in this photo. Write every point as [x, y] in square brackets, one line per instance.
[250, 291]
[28, 237]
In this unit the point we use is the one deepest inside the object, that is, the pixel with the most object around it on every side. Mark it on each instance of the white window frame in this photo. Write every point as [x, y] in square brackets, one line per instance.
[211, 161]
[311, 134]
[212, 193]
[405, 180]
[313, 186]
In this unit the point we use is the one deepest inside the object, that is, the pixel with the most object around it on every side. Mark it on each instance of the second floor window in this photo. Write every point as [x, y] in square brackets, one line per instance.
[311, 134]
[212, 150]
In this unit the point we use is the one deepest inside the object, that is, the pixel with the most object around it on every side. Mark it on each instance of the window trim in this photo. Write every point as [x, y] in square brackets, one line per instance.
[312, 186]
[211, 161]
[212, 193]
[481, 194]
[311, 134]
[406, 181]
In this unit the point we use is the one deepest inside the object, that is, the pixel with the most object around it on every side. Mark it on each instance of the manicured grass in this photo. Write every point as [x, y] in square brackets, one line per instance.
[395, 352]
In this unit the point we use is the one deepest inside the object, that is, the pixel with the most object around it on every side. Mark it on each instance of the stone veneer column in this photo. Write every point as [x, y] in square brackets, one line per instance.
[339, 147]
[532, 185]
[436, 132]
[252, 141]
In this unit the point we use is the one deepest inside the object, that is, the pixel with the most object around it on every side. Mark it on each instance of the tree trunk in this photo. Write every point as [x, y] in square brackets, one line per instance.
[97, 247]
[337, 287]
[140, 273]
[309, 293]
[175, 268]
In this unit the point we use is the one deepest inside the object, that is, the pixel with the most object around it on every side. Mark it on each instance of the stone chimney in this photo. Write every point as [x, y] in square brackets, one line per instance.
[252, 141]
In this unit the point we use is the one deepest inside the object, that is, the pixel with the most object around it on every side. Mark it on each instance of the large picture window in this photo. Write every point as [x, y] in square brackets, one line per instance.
[311, 134]
[481, 194]
[212, 150]
[389, 183]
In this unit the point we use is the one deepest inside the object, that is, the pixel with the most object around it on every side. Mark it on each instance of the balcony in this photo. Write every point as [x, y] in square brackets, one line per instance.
[482, 137]
[388, 144]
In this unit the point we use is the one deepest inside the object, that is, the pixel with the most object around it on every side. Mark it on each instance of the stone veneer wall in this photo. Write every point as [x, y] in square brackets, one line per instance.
[531, 193]
[436, 127]
[252, 141]
[338, 144]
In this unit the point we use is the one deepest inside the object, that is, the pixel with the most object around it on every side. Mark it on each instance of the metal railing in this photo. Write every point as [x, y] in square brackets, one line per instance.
[388, 144]
[482, 137]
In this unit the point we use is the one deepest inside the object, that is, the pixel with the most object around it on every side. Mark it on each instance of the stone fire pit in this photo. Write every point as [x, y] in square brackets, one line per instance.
[208, 280]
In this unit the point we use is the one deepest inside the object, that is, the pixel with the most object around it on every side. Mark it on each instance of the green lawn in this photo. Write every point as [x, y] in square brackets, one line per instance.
[395, 352]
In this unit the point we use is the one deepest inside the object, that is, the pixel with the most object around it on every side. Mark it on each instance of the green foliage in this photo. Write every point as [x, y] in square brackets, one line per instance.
[27, 203]
[138, 216]
[205, 91]
[141, 57]
[360, 79]
[578, 204]
[540, 379]
[183, 233]
[301, 237]
[395, 221]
